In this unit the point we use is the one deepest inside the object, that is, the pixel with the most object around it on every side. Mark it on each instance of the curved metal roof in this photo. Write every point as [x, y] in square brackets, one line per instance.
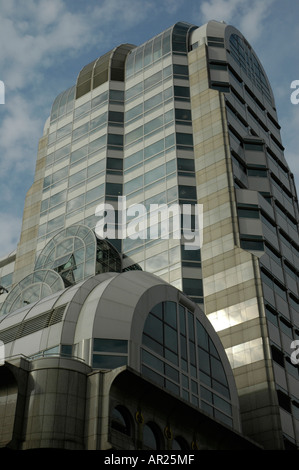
[110, 66]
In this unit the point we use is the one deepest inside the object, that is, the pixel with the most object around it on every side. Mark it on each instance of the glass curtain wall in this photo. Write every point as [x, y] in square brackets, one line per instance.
[158, 155]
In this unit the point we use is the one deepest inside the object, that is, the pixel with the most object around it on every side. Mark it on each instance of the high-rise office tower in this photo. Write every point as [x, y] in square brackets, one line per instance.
[187, 118]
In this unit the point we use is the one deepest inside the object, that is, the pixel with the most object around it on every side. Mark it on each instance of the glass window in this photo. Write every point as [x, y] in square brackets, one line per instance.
[180, 69]
[134, 112]
[75, 203]
[271, 315]
[257, 147]
[218, 66]
[116, 95]
[78, 154]
[154, 328]
[6, 281]
[192, 286]
[187, 192]
[110, 345]
[154, 174]
[152, 125]
[84, 108]
[114, 189]
[103, 361]
[98, 121]
[115, 163]
[153, 80]
[197, 352]
[55, 223]
[120, 420]
[220, 86]
[252, 243]
[248, 213]
[134, 90]
[95, 168]
[98, 100]
[150, 437]
[152, 102]
[115, 139]
[134, 135]
[77, 177]
[153, 361]
[64, 131]
[185, 164]
[170, 314]
[257, 172]
[184, 139]
[154, 149]
[80, 131]
[182, 115]
[286, 327]
[181, 91]
[170, 338]
[97, 144]
[116, 116]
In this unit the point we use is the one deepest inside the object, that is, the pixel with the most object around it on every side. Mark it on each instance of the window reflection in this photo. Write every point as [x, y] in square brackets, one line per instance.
[245, 353]
[150, 437]
[179, 355]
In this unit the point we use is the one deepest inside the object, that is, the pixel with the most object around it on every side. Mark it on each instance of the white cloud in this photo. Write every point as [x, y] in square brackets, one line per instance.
[247, 15]
[290, 126]
[9, 233]
[18, 133]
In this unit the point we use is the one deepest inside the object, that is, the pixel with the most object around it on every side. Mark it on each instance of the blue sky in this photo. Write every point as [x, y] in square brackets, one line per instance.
[44, 44]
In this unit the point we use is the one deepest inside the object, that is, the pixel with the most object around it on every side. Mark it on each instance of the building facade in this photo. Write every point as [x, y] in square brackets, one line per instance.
[188, 118]
[114, 362]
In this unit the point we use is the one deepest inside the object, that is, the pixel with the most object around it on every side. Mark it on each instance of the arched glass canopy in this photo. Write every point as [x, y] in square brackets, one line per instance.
[71, 253]
[39, 284]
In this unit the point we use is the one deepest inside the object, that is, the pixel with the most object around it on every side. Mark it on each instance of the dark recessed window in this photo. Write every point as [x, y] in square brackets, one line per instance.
[115, 116]
[277, 356]
[218, 66]
[110, 345]
[249, 213]
[183, 114]
[251, 242]
[220, 86]
[150, 437]
[187, 192]
[115, 139]
[284, 401]
[256, 147]
[181, 92]
[120, 420]
[286, 327]
[114, 189]
[257, 172]
[192, 286]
